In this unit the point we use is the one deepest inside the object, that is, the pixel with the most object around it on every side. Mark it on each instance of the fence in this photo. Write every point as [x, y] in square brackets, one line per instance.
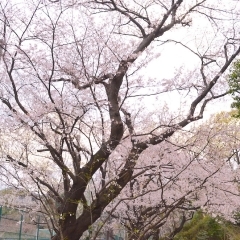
[16, 225]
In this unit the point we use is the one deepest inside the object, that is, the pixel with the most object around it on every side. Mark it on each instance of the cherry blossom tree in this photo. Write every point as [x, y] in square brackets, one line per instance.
[75, 86]
[172, 188]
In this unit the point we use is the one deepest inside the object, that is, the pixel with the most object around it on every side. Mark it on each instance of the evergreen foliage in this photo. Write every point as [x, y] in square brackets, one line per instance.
[234, 86]
[205, 227]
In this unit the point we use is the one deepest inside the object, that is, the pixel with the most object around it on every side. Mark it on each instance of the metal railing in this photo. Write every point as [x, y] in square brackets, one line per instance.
[16, 225]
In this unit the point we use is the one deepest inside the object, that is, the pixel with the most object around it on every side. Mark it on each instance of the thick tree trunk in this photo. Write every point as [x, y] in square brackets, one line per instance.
[70, 232]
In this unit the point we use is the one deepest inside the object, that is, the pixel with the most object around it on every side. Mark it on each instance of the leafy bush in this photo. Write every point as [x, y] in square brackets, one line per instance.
[201, 227]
